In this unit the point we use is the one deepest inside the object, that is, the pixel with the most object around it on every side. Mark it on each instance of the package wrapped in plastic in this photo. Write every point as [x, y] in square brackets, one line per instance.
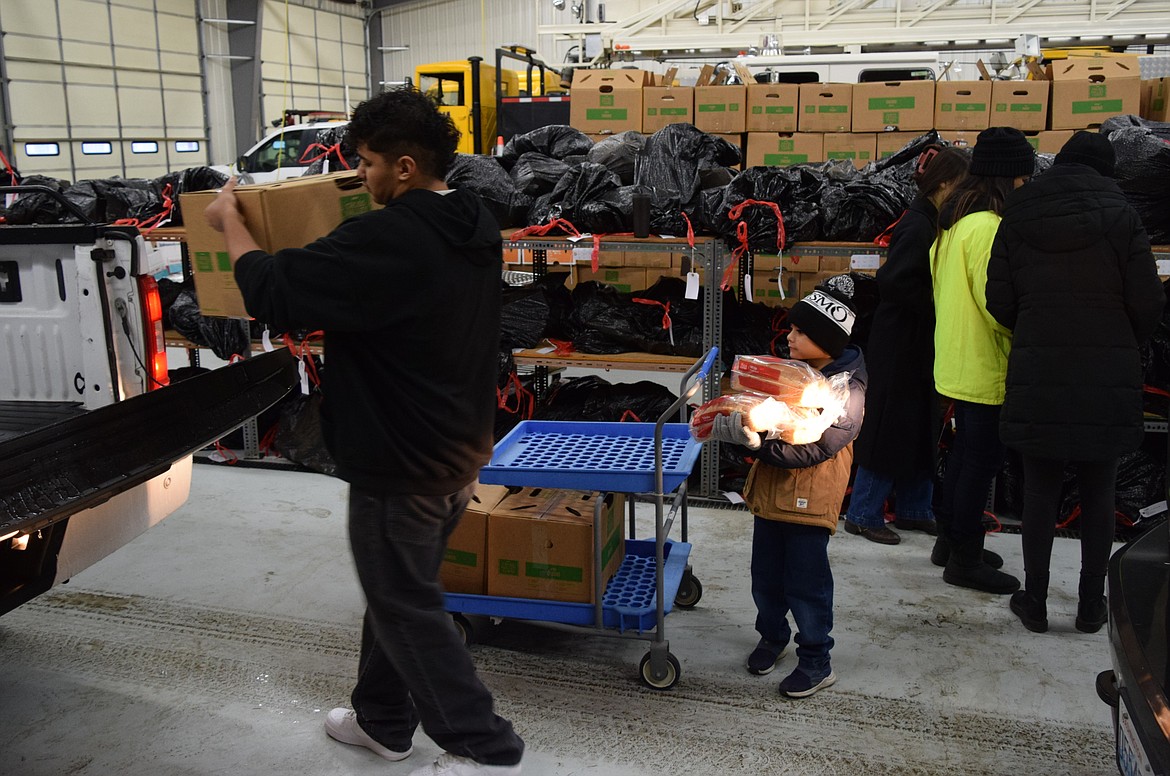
[793, 382]
[555, 140]
[769, 416]
[535, 173]
[619, 153]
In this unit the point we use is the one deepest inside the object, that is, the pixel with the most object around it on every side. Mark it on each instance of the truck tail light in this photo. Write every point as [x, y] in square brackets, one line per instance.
[152, 319]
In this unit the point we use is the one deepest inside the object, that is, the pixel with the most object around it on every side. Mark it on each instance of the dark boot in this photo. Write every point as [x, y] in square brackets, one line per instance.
[1092, 610]
[942, 552]
[1030, 604]
[966, 568]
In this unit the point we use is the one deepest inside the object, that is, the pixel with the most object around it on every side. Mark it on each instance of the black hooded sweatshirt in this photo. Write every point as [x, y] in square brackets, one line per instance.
[409, 300]
[1071, 274]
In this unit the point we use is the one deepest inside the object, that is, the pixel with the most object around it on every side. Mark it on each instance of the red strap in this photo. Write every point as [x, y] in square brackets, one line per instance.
[1155, 391]
[741, 235]
[629, 414]
[883, 239]
[690, 230]
[665, 310]
[563, 347]
[543, 229]
[325, 151]
[302, 352]
[1072, 517]
[525, 399]
[13, 178]
[229, 457]
[159, 218]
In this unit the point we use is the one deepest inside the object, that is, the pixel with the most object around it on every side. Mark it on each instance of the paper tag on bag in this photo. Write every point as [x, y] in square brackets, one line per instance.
[304, 377]
[266, 340]
[584, 255]
[865, 261]
[747, 288]
[780, 282]
[692, 291]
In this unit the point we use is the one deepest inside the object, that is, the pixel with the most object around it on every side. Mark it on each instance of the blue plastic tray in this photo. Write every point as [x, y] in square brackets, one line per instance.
[591, 456]
[629, 601]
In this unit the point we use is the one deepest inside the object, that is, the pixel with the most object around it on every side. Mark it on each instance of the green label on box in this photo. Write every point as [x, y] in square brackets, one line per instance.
[509, 568]
[611, 546]
[783, 160]
[780, 110]
[611, 275]
[1096, 106]
[461, 558]
[223, 262]
[551, 571]
[203, 262]
[1034, 142]
[832, 109]
[971, 107]
[354, 204]
[713, 107]
[946, 107]
[733, 107]
[841, 155]
[1097, 91]
[890, 117]
[884, 154]
[1026, 107]
[786, 145]
[605, 114]
[605, 100]
[652, 111]
[1158, 104]
[674, 111]
[891, 103]
[757, 110]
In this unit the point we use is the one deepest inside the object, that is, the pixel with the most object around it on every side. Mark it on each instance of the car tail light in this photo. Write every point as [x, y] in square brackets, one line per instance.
[152, 320]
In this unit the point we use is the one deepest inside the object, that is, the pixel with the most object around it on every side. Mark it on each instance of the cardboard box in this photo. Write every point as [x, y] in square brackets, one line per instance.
[780, 149]
[1086, 91]
[797, 261]
[737, 140]
[858, 147]
[607, 101]
[962, 105]
[464, 566]
[890, 143]
[772, 107]
[905, 105]
[720, 109]
[625, 279]
[826, 108]
[1020, 104]
[286, 214]
[540, 544]
[960, 138]
[1156, 94]
[664, 105]
[655, 259]
[1051, 141]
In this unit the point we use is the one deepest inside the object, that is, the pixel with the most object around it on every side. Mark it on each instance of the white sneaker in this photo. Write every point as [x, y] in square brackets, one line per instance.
[453, 765]
[342, 725]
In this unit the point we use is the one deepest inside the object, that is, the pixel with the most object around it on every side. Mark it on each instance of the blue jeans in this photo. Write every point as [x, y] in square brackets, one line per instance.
[870, 489]
[975, 457]
[790, 573]
[414, 666]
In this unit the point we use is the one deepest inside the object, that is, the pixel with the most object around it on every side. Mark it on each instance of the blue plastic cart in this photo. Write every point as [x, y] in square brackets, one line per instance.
[632, 458]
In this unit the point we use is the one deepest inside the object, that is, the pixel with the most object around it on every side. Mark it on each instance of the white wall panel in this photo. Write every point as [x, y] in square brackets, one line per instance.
[99, 55]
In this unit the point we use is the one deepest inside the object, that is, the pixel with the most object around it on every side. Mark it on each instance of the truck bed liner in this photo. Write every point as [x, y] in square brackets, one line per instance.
[21, 417]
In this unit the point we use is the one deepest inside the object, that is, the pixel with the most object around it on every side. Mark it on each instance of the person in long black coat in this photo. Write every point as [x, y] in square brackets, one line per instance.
[1072, 275]
[895, 451]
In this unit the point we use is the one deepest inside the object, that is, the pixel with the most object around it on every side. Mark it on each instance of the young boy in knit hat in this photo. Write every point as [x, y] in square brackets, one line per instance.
[795, 492]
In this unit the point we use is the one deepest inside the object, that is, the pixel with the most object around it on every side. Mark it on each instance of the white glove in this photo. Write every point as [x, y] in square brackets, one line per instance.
[730, 429]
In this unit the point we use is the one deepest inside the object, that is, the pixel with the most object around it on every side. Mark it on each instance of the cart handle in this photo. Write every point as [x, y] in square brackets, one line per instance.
[694, 378]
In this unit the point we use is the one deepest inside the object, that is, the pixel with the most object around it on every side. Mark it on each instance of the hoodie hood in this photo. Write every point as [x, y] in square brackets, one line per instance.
[459, 218]
[1066, 208]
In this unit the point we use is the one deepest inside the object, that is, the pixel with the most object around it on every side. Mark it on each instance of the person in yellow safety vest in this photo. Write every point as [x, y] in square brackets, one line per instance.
[971, 350]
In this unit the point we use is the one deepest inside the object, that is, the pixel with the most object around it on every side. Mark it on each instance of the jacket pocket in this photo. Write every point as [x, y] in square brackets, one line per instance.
[797, 492]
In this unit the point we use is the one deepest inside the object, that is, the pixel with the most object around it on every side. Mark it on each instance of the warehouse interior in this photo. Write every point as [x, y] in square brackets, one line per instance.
[217, 640]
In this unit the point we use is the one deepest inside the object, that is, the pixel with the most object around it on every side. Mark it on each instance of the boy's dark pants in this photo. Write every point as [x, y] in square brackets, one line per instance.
[414, 666]
[790, 572]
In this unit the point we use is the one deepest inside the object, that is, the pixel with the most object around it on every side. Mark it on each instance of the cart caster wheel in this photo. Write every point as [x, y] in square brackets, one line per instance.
[690, 592]
[673, 671]
[463, 626]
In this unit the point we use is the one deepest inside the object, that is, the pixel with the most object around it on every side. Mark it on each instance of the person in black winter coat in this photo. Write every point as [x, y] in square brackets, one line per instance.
[409, 299]
[896, 449]
[1071, 274]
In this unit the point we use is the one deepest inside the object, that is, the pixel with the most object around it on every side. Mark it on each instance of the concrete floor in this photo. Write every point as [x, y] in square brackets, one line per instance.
[217, 641]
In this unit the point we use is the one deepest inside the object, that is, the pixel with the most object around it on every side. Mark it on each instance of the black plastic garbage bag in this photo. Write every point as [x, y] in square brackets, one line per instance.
[523, 316]
[567, 399]
[583, 184]
[331, 147]
[909, 153]
[121, 198]
[752, 329]
[606, 321]
[484, 176]
[555, 140]
[535, 174]
[1143, 173]
[190, 179]
[797, 190]
[861, 209]
[1160, 129]
[36, 208]
[593, 399]
[298, 436]
[619, 153]
[610, 213]
[673, 157]
[86, 199]
[225, 336]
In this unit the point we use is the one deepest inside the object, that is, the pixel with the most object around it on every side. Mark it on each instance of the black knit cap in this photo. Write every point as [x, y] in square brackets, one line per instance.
[1002, 152]
[827, 314]
[1089, 148]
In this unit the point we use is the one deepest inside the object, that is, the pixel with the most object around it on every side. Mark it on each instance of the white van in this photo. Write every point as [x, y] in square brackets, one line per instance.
[284, 153]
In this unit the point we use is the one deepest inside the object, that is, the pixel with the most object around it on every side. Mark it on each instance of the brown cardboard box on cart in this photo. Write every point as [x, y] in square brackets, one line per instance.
[905, 105]
[1088, 90]
[780, 149]
[464, 567]
[772, 107]
[1020, 104]
[285, 214]
[540, 544]
[858, 147]
[826, 108]
[607, 101]
[962, 105]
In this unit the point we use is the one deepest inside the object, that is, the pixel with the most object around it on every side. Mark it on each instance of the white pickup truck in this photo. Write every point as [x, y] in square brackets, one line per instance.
[285, 153]
[95, 447]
